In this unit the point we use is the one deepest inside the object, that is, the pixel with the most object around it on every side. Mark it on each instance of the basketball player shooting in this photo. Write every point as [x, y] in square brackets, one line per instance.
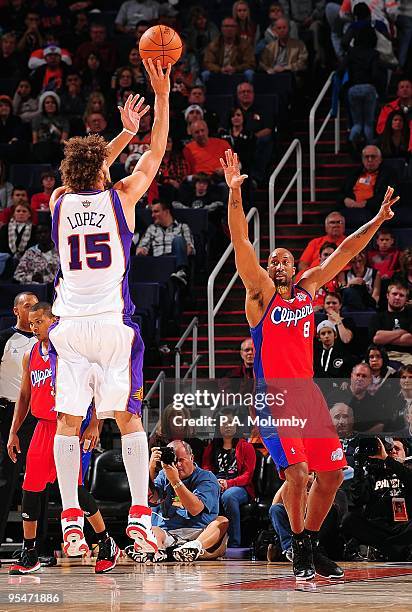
[280, 315]
[96, 350]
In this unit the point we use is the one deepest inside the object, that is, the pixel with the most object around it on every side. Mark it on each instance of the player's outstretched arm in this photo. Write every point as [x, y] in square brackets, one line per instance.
[133, 187]
[352, 245]
[130, 115]
[250, 271]
[20, 410]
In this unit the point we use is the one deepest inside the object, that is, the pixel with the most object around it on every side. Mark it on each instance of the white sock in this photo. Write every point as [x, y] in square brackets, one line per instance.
[135, 453]
[67, 459]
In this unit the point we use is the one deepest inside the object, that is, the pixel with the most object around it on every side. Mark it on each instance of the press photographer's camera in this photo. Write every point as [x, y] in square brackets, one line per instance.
[168, 455]
[367, 447]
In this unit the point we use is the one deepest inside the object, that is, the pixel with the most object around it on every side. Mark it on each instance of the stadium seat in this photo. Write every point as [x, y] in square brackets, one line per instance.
[223, 83]
[146, 297]
[109, 485]
[28, 175]
[151, 269]
[221, 104]
[8, 86]
[10, 290]
[280, 84]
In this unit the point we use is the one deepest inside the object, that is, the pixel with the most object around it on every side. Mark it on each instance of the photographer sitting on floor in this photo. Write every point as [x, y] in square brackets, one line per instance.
[189, 524]
[382, 500]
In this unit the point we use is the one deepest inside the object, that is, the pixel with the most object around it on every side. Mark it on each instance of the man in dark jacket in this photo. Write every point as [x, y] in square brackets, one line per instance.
[364, 188]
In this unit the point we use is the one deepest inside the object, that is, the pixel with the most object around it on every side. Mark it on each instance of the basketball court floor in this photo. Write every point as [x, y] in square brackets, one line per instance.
[221, 586]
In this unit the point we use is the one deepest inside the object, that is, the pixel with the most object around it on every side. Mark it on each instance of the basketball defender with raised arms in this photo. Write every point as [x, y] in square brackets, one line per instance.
[98, 350]
[280, 315]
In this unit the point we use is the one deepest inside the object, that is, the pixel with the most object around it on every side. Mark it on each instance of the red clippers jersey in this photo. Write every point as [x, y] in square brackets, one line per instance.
[42, 400]
[283, 339]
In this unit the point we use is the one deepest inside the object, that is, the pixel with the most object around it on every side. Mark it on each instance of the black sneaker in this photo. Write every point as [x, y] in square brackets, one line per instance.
[27, 562]
[303, 566]
[324, 566]
[108, 554]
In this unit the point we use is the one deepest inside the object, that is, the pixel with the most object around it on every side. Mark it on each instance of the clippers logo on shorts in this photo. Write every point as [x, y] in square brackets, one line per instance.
[337, 455]
[42, 396]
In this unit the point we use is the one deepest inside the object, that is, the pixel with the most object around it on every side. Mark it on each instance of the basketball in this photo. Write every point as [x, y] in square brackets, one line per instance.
[161, 43]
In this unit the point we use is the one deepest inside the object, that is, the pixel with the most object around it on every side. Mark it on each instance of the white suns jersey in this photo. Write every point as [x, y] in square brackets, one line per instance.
[93, 240]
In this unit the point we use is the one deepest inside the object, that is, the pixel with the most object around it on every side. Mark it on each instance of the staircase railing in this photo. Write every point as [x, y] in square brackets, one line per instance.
[159, 383]
[213, 310]
[193, 325]
[314, 138]
[297, 177]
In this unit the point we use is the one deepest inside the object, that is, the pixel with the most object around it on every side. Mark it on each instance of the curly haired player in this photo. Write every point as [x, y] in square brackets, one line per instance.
[280, 315]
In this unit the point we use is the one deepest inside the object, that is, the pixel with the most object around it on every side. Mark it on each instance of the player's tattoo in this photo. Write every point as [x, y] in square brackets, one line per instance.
[234, 203]
[362, 231]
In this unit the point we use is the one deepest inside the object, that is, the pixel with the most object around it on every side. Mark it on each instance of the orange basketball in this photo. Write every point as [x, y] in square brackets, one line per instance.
[161, 43]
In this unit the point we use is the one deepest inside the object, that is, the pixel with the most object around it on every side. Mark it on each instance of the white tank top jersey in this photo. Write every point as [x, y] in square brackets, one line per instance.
[93, 240]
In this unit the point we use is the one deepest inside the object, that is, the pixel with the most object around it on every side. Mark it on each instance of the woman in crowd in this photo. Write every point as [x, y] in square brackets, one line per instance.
[242, 141]
[396, 138]
[200, 32]
[232, 459]
[362, 285]
[94, 76]
[248, 30]
[25, 105]
[16, 237]
[50, 130]
[6, 188]
[345, 327]
[136, 65]
[378, 360]
[122, 79]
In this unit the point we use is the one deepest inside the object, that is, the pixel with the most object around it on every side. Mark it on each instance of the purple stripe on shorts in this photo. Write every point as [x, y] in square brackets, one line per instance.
[125, 236]
[134, 404]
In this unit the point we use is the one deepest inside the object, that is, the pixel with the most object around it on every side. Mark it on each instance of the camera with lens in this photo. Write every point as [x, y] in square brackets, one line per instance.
[367, 447]
[167, 455]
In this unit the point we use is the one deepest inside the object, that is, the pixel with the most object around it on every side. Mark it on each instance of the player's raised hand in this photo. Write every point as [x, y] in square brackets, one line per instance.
[160, 80]
[386, 211]
[132, 112]
[231, 168]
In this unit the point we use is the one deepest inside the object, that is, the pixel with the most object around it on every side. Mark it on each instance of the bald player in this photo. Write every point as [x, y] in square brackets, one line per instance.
[280, 315]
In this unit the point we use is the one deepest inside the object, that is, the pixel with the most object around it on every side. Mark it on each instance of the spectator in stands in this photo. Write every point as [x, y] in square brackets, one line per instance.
[308, 16]
[385, 257]
[362, 285]
[404, 27]
[365, 187]
[232, 459]
[40, 262]
[173, 425]
[131, 12]
[19, 195]
[368, 411]
[275, 12]
[345, 327]
[285, 53]
[25, 105]
[32, 37]
[79, 32]
[40, 201]
[95, 77]
[396, 140]
[399, 398]
[96, 123]
[52, 75]
[343, 419]
[141, 27]
[241, 140]
[96, 103]
[73, 100]
[248, 29]
[393, 328]
[152, 193]
[50, 130]
[136, 65]
[404, 276]
[335, 233]
[197, 95]
[185, 72]
[122, 79]
[200, 193]
[261, 124]
[191, 114]
[11, 62]
[333, 285]
[37, 58]
[200, 32]
[172, 171]
[16, 236]
[166, 236]
[365, 75]
[100, 46]
[13, 134]
[6, 188]
[331, 359]
[403, 103]
[375, 519]
[247, 355]
[203, 153]
[228, 54]
[378, 361]
[191, 523]
[141, 140]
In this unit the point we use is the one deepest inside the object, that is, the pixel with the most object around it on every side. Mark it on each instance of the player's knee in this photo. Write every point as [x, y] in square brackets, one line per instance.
[297, 475]
[68, 425]
[331, 480]
[87, 501]
[31, 505]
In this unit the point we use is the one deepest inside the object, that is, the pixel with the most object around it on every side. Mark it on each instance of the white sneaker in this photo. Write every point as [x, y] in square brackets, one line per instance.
[140, 530]
[180, 276]
[74, 543]
[188, 552]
